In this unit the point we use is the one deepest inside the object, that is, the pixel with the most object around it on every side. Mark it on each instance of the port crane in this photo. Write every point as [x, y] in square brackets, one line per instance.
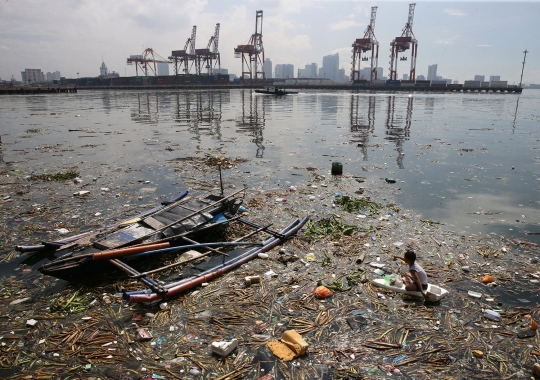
[145, 61]
[403, 43]
[252, 54]
[364, 45]
[209, 58]
[185, 58]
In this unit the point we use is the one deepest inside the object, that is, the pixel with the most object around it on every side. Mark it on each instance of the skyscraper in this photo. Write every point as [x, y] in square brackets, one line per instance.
[479, 78]
[162, 68]
[267, 68]
[32, 75]
[405, 76]
[432, 72]
[285, 70]
[330, 67]
[494, 78]
[309, 71]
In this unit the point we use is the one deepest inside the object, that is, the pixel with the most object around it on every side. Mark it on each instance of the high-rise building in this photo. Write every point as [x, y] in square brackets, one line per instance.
[405, 76]
[432, 72]
[309, 71]
[479, 78]
[420, 77]
[103, 71]
[267, 68]
[32, 76]
[330, 67]
[49, 77]
[365, 73]
[456, 82]
[283, 71]
[494, 78]
[162, 68]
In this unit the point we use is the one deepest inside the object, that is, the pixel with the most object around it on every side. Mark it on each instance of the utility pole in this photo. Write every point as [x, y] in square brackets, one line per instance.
[523, 68]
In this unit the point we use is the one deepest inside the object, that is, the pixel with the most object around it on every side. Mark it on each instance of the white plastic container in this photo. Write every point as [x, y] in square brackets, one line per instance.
[492, 315]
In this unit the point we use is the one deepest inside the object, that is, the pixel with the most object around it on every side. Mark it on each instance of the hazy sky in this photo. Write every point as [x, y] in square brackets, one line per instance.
[463, 38]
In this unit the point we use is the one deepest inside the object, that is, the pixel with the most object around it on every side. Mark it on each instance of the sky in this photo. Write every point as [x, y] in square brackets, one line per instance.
[74, 36]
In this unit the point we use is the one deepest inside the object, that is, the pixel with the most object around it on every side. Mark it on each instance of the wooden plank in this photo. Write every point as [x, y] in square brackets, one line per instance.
[155, 224]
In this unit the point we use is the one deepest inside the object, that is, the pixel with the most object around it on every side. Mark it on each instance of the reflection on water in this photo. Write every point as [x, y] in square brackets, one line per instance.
[398, 127]
[362, 122]
[456, 148]
[251, 122]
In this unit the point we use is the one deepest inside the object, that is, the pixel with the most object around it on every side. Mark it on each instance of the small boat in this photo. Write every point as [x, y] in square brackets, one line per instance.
[434, 293]
[166, 227]
[212, 269]
[156, 249]
[275, 91]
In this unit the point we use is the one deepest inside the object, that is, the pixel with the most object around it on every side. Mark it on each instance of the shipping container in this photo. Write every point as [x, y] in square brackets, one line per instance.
[423, 81]
[393, 82]
[454, 85]
[438, 82]
[378, 82]
[360, 82]
[441, 85]
[471, 83]
[407, 84]
[499, 83]
[484, 84]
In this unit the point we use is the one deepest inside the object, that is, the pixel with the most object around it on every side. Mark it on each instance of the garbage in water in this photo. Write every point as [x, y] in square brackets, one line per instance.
[359, 331]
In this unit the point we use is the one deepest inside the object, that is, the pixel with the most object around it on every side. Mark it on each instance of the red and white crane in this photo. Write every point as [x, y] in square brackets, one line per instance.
[185, 58]
[209, 58]
[363, 45]
[401, 44]
[252, 53]
[145, 61]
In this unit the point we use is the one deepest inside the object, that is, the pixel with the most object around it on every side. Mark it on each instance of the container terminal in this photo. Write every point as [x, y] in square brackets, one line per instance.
[196, 68]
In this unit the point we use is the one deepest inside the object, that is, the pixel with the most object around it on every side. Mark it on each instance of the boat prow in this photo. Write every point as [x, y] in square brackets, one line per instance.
[434, 292]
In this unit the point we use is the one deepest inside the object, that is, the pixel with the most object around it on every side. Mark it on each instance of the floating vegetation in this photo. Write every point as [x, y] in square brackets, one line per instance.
[33, 130]
[357, 204]
[430, 222]
[61, 176]
[71, 303]
[331, 226]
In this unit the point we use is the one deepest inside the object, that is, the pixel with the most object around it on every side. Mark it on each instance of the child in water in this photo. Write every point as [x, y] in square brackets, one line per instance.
[416, 279]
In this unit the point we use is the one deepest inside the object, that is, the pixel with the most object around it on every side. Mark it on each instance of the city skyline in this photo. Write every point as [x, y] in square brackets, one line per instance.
[465, 39]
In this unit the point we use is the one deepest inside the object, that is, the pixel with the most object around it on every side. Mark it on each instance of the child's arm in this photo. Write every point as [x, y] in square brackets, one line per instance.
[399, 257]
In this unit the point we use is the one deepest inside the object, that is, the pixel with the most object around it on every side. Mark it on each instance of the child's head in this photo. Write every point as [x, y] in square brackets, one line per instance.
[410, 257]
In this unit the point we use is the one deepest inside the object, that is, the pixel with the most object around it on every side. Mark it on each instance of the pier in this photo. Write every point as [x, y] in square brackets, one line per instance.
[22, 90]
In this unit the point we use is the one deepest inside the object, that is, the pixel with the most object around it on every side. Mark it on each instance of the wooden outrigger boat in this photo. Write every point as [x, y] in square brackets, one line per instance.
[147, 247]
[166, 227]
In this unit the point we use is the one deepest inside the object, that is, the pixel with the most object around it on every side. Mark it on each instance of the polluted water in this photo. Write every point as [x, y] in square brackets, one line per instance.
[418, 173]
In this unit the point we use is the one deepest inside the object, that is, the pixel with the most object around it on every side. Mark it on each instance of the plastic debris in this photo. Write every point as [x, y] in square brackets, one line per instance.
[323, 292]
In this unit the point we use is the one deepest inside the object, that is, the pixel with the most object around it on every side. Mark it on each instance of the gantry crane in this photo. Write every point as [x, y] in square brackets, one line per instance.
[209, 58]
[147, 60]
[187, 57]
[401, 44]
[252, 54]
[362, 45]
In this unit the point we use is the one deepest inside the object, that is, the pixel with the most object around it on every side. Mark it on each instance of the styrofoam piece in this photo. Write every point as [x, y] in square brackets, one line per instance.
[492, 315]
[434, 292]
[224, 348]
[474, 294]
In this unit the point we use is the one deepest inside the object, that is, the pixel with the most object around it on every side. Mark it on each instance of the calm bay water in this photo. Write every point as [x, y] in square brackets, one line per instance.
[470, 161]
